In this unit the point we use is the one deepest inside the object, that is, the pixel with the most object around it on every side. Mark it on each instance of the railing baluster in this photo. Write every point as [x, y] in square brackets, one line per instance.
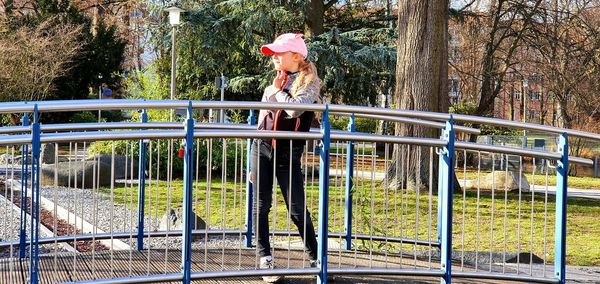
[349, 185]
[446, 181]
[560, 242]
[35, 198]
[249, 186]
[141, 186]
[188, 180]
[323, 199]
[24, 178]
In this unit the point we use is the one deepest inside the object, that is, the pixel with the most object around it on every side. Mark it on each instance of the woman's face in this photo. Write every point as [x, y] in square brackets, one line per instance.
[286, 61]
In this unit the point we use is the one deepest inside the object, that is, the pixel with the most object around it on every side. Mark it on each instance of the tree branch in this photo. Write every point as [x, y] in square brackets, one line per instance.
[329, 4]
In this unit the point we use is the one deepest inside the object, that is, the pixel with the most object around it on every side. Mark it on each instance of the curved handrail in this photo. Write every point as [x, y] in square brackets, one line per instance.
[80, 105]
[337, 135]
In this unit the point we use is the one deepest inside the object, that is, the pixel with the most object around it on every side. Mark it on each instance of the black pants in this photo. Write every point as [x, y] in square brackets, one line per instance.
[263, 157]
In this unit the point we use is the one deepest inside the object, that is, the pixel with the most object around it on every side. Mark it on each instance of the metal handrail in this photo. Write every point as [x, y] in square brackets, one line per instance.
[81, 105]
[244, 132]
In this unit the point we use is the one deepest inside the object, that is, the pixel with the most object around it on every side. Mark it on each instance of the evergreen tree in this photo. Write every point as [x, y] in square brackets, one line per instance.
[225, 37]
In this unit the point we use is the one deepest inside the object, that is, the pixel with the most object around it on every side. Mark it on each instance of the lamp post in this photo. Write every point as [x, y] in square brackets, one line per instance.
[524, 118]
[99, 95]
[174, 20]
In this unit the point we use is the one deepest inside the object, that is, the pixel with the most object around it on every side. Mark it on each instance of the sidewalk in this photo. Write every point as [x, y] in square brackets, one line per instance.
[571, 192]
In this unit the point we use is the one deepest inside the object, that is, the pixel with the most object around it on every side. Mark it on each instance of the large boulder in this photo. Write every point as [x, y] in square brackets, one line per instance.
[500, 180]
[80, 171]
[121, 162]
[47, 153]
[173, 220]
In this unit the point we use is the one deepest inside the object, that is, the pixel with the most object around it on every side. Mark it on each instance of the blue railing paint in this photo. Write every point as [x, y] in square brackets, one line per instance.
[596, 167]
[445, 188]
[23, 204]
[447, 184]
[188, 186]
[323, 199]
[141, 185]
[249, 195]
[439, 197]
[349, 185]
[35, 197]
[560, 234]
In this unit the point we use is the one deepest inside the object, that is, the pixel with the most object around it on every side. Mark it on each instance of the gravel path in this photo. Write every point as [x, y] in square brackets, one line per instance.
[10, 222]
[118, 217]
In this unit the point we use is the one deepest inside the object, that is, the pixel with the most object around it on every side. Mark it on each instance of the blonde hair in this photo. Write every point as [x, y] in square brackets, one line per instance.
[307, 76]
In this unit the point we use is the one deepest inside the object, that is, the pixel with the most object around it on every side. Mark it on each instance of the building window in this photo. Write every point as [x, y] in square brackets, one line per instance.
[517, 95]
[532, 114]
[534, 95]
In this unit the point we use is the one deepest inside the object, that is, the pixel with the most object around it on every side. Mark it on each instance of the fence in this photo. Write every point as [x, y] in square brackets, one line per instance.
[154, 201]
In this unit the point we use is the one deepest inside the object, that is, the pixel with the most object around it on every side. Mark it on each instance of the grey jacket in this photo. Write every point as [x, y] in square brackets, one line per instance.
[307, 95]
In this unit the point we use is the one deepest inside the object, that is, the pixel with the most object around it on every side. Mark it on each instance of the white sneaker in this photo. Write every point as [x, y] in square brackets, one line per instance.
[266, 262]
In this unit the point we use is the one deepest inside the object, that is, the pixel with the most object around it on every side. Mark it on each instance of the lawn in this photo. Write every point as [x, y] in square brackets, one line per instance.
[540, 179]
[392, 213]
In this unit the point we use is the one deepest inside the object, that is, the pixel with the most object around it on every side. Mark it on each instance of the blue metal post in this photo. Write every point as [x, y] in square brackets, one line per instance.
[35, 198]
[447, 184]
[349, 185]
[249, 194]
[188, 180]
[24, 178]
[560, 234]
[440, 196]
[141, 186]
[323, 199]
[596, 166]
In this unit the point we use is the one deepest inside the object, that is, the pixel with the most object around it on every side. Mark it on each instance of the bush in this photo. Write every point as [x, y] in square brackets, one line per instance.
[365, 125]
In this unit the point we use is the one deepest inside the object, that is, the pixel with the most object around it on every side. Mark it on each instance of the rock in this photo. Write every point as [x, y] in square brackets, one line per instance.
[500, 181]
[73, 169]
[47, 153]
[120, 163]
[525, 257]
[173, 220]
[6, 159]
[62, 159]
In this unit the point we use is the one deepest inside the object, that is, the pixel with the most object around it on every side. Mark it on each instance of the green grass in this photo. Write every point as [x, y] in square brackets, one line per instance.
[540, 179]
[375, 209]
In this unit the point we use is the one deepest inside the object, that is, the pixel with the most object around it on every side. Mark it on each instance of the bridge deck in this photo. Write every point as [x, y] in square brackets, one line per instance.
[87, 266]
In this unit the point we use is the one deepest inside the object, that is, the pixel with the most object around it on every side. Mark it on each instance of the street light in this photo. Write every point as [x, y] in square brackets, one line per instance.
[524, 118]
[174, 20]
[99, 94]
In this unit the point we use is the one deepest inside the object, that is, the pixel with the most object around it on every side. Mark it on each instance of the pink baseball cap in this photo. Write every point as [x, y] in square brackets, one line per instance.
[286, 42]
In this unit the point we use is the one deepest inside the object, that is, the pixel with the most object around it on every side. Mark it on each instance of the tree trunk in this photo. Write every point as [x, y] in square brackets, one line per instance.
[8, 7]
[313, 23]
[421, 83]
[487, 96]
[564, 120]
[512, 102]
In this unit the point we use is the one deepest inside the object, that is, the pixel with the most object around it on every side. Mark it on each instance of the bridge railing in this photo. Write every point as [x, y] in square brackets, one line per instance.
[172, 201]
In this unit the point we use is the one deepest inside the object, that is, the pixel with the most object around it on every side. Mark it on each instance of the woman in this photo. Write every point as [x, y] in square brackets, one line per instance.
[296, 82]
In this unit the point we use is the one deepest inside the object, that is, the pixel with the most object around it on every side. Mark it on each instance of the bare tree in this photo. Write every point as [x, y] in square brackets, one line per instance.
[565, 46]
[497, 31]
[33, 57]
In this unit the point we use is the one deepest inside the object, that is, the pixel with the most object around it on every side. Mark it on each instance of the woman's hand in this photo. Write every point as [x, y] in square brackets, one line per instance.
[280, 79]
